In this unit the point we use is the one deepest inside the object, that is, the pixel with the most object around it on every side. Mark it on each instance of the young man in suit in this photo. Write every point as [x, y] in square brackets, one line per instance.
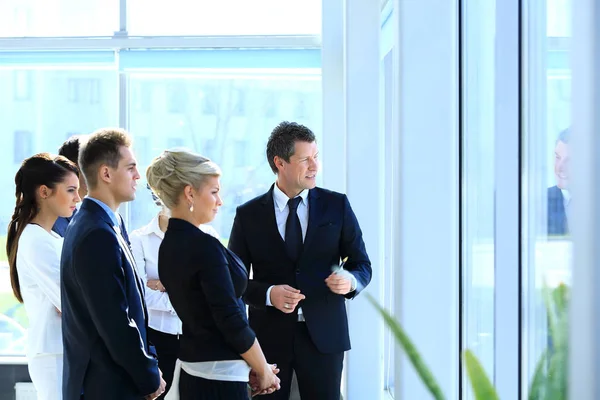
[293, 237]
[559, 196]
[104, 316]
[70, 150]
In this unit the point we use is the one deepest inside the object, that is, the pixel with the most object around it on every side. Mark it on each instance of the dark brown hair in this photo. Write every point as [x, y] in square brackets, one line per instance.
[70, 148]
[40, 169]
[102, 147]
[282, 142]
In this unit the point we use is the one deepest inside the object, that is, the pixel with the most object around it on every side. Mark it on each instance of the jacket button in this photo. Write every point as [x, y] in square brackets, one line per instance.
[297, 272]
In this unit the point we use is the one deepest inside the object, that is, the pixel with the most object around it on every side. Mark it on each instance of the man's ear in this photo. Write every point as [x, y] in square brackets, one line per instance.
[278, 162]
[104, 173]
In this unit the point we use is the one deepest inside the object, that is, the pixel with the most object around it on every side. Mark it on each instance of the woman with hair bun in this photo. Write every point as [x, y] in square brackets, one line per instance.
[46, 188]
[219, 353]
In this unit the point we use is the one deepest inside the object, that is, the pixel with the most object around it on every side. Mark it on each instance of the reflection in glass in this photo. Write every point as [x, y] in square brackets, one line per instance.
[546, 200]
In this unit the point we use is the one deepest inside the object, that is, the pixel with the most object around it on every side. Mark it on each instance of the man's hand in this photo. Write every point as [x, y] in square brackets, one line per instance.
[155, 284]
[159, 391]
[339, 284]
[285, 298]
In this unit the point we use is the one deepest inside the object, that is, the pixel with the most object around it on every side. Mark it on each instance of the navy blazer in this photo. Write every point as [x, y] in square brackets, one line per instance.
[104, 317]
[557, 217]
[60, 226]
[333, 233]
[205, 283]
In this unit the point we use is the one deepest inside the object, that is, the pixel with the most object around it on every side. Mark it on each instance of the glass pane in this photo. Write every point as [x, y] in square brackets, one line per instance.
[39, 109]
[546, 199]
[58, 18]
[227, 117]
[478, 70]
[233, 17]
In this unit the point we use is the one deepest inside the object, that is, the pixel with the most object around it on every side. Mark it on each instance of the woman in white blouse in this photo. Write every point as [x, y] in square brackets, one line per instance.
[46, 188]
[164, 326]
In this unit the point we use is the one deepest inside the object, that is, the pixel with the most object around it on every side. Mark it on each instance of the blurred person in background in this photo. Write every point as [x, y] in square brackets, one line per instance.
[70, 150]
[559, 197]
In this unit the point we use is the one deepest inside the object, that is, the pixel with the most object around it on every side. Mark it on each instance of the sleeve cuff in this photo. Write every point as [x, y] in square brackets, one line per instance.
[269, 296]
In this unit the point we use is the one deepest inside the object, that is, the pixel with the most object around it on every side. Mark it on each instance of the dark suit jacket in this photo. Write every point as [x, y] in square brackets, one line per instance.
[61, 224]
[104, 317]
[557, 217]
[205, 283]
[332, 234]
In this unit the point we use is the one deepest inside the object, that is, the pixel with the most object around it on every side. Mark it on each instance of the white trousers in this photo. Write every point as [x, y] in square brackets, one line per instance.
[46, 371]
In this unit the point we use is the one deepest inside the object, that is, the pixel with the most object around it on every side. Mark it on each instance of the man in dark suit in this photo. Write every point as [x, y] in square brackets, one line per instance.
[559, 196]
[292, 237]
[70, 150]
[104, 316]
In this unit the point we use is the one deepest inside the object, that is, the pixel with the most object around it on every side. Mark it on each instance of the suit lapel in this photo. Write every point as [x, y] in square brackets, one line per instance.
[316, 210]
[96, 209]
[269, 211]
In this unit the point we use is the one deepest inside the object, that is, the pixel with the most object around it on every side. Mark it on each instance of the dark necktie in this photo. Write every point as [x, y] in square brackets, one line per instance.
[293, 230]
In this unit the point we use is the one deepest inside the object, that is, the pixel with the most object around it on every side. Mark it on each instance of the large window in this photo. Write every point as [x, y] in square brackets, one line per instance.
[219, 98]
[226, 116]
[41, 125]
[58, 18]
[237, 17]
[547, 203]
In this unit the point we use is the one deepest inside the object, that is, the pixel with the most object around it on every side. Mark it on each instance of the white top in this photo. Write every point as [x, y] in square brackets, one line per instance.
[38, 268]
[145, 243]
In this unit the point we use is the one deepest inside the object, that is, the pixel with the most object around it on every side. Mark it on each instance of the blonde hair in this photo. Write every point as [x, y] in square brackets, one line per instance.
[169, 173]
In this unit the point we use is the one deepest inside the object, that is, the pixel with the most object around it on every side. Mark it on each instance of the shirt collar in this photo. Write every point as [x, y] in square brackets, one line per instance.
[281, 198]
[566, 196]
[152, 228]
[111, 213]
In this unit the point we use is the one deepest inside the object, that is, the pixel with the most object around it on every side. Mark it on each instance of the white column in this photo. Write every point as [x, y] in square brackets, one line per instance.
[333, 146]
[507, 140]
[584, 343]
[365, 188]
[427, 118]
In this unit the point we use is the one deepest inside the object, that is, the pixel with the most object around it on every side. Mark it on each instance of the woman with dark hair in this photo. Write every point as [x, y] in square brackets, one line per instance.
[46, 188]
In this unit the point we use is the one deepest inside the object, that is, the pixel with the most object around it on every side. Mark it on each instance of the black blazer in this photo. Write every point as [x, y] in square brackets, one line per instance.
[332, 234]
[104, 317]
[557, 217]
[205, 283]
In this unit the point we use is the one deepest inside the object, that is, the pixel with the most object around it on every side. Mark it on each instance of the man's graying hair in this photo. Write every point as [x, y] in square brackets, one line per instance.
[283, 140]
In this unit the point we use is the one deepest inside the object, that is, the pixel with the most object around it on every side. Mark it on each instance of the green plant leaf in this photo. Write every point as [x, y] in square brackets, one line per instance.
[483, 389]
[537, 389]
[410, 350]
[556, 384]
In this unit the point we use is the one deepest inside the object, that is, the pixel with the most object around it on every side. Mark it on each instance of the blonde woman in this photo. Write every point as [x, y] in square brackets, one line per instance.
[164, 326]
[219, 353]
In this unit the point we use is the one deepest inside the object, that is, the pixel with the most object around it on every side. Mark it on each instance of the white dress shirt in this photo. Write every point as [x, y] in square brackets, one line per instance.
[145, 243]
[280, 201]
[282, 211]
[38, 268]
